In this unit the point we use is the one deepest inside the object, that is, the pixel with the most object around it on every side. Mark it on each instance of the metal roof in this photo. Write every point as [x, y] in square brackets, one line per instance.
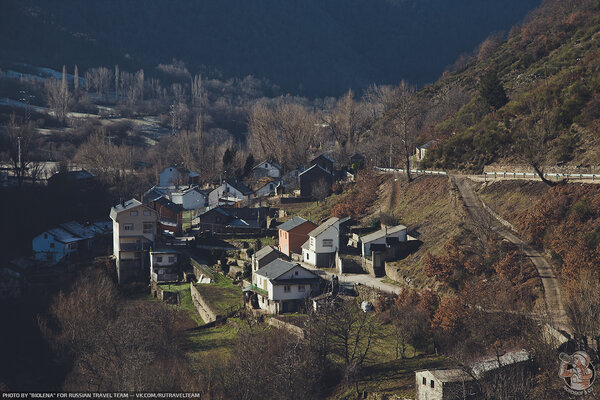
[315, 166]
[86, 232]
[382, 233]
[63, 236]
[291, 224]
[239, 186]
[324, 226]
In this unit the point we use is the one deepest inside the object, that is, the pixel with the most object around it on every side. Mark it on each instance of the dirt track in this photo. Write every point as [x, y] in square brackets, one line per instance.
[551, 284]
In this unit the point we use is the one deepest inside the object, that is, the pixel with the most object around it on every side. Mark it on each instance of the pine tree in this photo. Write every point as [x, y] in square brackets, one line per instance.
[492, 91]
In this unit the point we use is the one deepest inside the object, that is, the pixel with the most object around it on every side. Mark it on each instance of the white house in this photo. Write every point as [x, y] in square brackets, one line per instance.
[457, 383]
[422, 150]
[382, 237]
[134, 235]
[265, 187]
[163, 266]
[174, 176]
[282, 286]
[230, 191]
[54, 245]
[267, 168]
[322, 244]
[190, 198]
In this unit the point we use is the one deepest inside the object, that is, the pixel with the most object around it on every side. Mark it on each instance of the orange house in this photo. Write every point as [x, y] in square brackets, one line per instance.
[293, 234]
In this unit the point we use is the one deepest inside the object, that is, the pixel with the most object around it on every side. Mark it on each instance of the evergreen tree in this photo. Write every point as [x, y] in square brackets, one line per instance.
[492, 91]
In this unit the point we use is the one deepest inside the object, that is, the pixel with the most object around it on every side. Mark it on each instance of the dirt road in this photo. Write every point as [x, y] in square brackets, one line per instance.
[551, 284]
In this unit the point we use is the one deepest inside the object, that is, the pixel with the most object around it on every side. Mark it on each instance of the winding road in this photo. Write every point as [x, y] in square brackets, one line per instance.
[550, 283]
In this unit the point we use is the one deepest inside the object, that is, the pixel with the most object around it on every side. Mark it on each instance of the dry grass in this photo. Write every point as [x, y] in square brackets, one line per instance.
[511, 198]
[427, 206]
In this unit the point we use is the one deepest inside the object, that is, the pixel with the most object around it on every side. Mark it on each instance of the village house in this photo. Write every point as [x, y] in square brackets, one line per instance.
[134, 235]
[322, 244]
[190, 198]
[264, 256]
[381, 246]
[267, 168]
[383, 237]
[55, 245]
[174, 176]
[293, 234]
[164, 266]
[230, 219]
[265, 187]
[282, 287]
[172, 217]
[323, 161]
[229, 192]
[315, 182]
[422, 150]
[459, 383]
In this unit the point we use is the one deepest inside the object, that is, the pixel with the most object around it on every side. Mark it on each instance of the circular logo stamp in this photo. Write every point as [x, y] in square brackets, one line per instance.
[577, 371]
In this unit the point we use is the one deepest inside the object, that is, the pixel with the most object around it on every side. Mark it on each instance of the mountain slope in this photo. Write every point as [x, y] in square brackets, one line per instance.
[307, 47]
[549, 69]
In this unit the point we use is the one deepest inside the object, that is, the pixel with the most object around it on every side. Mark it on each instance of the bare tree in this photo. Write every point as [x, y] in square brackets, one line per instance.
[76, 79]
[402, 121]
[21, 142]
[347, 123]
[58, 98]
[534, 142]
[284, 131]
[99, 79]
[117, 79]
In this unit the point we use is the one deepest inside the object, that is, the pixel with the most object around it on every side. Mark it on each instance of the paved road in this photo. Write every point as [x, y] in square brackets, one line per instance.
[551, 284]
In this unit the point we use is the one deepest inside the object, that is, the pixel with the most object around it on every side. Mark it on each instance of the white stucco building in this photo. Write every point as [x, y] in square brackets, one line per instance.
[134, 235]
[322, 244]
[381, 237]
[282, 286]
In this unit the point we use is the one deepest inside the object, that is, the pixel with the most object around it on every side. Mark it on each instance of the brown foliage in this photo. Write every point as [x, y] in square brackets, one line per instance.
[445, 267]
[361, 197]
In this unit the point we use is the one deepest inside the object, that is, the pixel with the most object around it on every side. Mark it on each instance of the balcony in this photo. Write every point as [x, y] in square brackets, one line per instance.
[130, 246]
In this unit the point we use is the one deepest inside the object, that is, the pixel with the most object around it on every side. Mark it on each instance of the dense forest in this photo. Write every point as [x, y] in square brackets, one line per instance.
[309, 48]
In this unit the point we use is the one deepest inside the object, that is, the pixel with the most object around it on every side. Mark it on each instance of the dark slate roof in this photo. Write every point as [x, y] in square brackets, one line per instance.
[151, 195]
[275, 269]
[126, 205]
[273, 163]
[247, 213]
[291, 224]
[265, 251]
[323, 227]
[428, 144]
[314, 166]
[325, 156]
[74, 175]
[163, 201]
[239, 186]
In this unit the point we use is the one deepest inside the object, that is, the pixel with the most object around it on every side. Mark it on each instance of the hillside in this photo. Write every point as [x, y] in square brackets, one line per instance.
[314, 48]
[549, 71]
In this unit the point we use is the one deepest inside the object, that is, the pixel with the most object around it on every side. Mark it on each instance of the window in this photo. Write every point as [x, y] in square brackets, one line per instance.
[148, 227]
[159, 259]
[301, 288]
[327, 242]
[312, 242]
[127, 227]
[133, 213]
[295, 272]
[287, 288]
[171, 259]
[45, 236]
[51, 245]
[218, 219]
[147, 213]
[271, 187]
[424, 381]
[432, 383]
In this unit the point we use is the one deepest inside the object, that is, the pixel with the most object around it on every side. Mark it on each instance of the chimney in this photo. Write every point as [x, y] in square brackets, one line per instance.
[122, 202]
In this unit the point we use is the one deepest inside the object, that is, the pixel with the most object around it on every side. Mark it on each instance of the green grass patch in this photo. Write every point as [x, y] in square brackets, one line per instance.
[185, 297]
[200, 342]
[221, 295]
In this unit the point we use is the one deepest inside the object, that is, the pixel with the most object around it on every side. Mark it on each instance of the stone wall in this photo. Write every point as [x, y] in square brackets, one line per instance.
[201, 306]
[553, 169]
[293, 329]
[367, 293]
[164, 295]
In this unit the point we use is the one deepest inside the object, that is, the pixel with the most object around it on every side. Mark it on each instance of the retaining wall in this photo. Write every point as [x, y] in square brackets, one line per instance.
[201, 306]
[293, 329]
